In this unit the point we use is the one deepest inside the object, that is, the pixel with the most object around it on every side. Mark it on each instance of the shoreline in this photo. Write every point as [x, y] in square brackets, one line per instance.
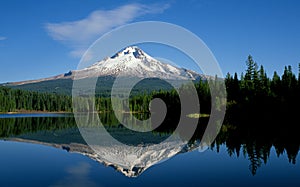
[195, 115]
[36, 112]
[58, 112]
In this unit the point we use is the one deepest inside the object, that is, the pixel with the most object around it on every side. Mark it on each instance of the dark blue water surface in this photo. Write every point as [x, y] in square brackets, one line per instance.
[26, 164]
[32, 115]
[29, 158]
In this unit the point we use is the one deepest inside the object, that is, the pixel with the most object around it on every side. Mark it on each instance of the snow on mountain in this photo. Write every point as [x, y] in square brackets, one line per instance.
[132, 61]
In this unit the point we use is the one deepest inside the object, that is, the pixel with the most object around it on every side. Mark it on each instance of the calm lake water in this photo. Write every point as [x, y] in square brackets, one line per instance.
[49, 151]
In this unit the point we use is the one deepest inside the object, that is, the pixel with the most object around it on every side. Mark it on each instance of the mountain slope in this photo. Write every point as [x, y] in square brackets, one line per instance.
[130, 61]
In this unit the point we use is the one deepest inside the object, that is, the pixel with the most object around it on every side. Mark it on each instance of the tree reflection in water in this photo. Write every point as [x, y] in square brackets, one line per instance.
[251, 136]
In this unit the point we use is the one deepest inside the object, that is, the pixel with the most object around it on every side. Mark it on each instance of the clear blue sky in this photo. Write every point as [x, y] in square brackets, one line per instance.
[44, 38]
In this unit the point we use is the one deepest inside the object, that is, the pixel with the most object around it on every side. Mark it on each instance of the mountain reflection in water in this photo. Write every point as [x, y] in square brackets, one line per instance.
[251, 141]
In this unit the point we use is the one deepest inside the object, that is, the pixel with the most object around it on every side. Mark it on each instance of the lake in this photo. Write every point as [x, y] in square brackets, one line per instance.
[48, 150]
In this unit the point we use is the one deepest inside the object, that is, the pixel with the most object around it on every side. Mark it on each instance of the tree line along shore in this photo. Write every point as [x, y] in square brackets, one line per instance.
[252, 90]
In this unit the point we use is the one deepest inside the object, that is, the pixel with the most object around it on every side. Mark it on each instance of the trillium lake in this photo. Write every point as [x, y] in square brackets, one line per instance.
[48, 150]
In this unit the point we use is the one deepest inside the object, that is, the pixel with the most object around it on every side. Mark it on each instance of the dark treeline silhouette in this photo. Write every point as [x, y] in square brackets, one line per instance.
[256, 96]
[261, 114]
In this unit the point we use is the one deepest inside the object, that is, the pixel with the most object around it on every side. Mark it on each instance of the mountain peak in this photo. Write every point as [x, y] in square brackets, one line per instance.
[130, 61]
[130, 50]
[133, 61]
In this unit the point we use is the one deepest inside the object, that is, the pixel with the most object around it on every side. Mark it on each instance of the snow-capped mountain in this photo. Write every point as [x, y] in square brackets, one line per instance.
[132, 61]
[129, 62]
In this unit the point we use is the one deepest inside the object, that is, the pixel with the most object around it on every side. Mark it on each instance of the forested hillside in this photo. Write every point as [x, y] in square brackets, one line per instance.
[253, 91]
[15, 100]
